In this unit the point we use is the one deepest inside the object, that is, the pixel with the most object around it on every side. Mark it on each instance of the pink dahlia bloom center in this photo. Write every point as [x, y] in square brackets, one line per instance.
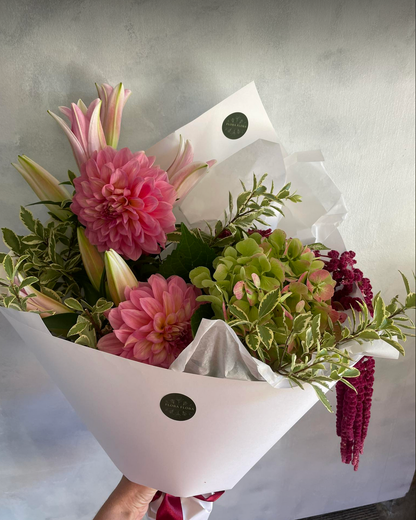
[153, 325]
[125, 202]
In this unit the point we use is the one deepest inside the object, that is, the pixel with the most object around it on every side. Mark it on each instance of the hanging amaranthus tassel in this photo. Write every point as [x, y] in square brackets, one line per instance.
[353, 411]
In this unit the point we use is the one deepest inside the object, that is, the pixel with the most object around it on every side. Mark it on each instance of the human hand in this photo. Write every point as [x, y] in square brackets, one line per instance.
[129, 501]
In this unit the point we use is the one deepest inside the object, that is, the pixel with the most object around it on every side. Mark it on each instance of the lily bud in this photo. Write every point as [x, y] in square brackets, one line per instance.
[43, 184]
[41, 303]
[91, 258]
[119, 276]
[113, 101]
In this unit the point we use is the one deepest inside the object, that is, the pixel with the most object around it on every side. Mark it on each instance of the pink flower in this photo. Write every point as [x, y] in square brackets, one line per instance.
[86, 134]
[113, 101]
[124, 202]
[153, 325]
[184, 173]
[321, 285]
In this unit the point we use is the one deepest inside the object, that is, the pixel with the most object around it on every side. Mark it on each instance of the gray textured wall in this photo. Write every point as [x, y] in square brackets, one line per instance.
[336, 75]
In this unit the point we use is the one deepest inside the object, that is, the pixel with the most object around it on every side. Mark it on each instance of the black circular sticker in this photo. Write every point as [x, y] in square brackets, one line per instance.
[235, 125]
[178, 407]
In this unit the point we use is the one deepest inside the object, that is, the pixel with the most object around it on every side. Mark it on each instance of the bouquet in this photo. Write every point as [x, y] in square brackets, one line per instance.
[182, 316]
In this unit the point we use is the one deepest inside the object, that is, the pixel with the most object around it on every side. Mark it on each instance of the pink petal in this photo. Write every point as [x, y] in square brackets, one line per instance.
[151, 306]
[110, 343]
[159, 285]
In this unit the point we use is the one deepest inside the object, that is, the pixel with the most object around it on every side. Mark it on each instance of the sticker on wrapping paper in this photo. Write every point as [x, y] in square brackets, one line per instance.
[235, 125]
[178, 407]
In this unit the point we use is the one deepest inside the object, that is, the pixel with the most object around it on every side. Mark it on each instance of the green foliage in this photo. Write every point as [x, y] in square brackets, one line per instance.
[277, 296]
[250, 208]
[50, 253]
[191, 252]
[90, 324]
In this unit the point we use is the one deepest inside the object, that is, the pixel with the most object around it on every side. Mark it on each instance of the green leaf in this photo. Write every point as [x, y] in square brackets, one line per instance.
[238, 313]
[266, 336]
[28, 281]
[77, 328]
[204, 311]
[394, 344]
[296, 381]
[368, 335]
[32, 240]
[60, 324]
[27, 218]
[71, 176]
[379, 311]
[8, 266]
[410, 301]
[346, 382]
[253, 341]
[317, 246]
[209, 298]
[52, 294]
[351, 372]
[84, 340]
[49, 275]
[392, 307]
[7, 300]
[74, 304]
[406, 283]
[191, 252]
[300, 323]
[268, 303]
[322, 397]
[39, 229]
[242, 199]
[11, 240]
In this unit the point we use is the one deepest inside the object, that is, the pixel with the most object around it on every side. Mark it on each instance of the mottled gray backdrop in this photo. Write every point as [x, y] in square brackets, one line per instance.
[333, 74]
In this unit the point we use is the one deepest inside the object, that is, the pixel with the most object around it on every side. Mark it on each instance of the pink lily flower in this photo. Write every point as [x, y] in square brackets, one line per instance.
[113, 101]
[184, 173]
[86, 134]
[43, 184]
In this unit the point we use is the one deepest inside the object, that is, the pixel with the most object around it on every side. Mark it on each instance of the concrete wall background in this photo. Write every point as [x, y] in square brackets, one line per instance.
[336, 75]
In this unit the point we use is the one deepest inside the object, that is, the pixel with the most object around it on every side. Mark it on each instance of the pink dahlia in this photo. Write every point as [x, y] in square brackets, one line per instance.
[124, 202]
[153, 325]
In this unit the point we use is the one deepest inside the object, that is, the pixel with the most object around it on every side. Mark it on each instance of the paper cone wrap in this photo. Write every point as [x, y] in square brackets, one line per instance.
[234, 423]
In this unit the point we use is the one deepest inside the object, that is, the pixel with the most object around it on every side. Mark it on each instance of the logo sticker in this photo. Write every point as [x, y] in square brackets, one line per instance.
[235, 125]
[178, 407]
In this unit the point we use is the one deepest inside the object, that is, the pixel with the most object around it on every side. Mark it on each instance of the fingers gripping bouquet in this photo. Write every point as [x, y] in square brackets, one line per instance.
[167, 325]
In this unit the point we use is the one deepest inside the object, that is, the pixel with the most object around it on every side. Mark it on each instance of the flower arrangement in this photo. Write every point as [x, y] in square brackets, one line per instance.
[113, 270]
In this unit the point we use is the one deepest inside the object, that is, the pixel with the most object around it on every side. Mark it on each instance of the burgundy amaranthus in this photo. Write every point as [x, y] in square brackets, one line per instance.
[346, 276]
[354, 410]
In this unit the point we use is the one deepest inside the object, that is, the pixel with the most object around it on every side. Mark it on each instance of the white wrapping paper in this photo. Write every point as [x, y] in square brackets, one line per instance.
[257, 151]
[119, 401]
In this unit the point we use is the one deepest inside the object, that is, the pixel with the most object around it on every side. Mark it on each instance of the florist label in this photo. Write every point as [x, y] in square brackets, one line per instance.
[235, 125]
[178, 407]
